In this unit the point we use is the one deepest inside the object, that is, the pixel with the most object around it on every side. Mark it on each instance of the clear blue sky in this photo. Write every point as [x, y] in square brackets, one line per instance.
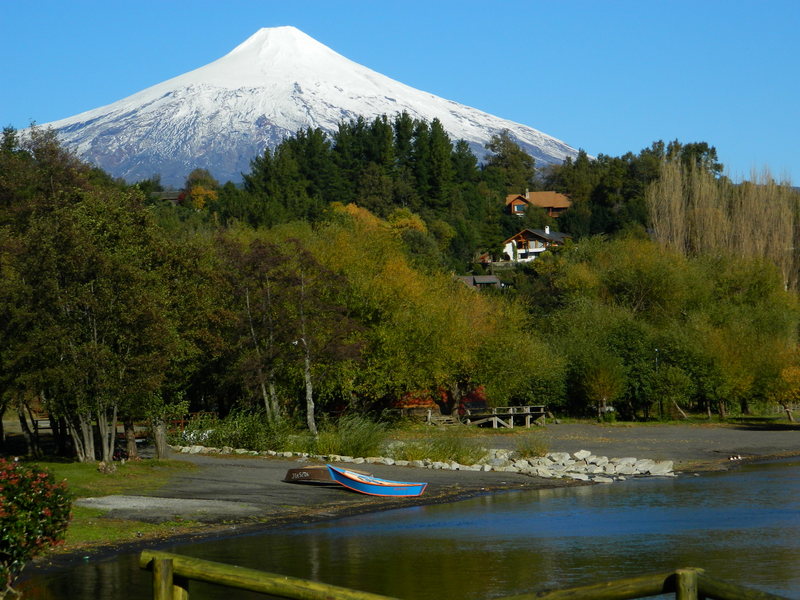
[608, 77]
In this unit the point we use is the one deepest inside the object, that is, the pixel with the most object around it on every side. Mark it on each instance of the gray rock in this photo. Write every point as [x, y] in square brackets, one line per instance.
[661, 468]
[559, 457]
[601, 479]
[579, 476]
[582, 454]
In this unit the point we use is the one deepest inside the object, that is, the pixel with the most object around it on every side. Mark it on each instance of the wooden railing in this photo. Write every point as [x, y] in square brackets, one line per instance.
[503, 416]
[173, 572]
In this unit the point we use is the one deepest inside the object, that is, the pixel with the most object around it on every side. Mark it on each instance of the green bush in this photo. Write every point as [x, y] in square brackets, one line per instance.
[34, 514]
[351, 435]
[531, 445]
[240, 429]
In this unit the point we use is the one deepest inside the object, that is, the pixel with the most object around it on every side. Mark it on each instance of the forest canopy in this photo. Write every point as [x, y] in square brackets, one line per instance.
[325, 285]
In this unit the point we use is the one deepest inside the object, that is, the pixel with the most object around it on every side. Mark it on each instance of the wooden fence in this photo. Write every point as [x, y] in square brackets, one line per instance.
[172, 574]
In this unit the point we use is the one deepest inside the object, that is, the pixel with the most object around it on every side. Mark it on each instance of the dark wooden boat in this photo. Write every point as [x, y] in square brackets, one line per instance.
[314, 474]
[318, 474]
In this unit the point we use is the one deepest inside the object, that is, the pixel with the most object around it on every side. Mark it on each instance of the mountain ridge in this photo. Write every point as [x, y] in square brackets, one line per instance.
[278, 81]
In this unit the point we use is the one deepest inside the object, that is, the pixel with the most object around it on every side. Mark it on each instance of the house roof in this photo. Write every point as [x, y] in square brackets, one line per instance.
[555, 237]
[486, 280]
[541, 199]
[549, 200]
[479, 280]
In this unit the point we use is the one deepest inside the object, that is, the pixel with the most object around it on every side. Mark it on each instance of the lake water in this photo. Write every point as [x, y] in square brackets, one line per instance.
[742, 525]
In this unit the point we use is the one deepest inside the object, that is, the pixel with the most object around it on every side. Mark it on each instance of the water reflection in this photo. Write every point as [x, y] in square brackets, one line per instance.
[742, 525]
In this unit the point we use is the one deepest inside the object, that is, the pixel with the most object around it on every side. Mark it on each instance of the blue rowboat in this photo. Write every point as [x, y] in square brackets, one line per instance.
[374, 486]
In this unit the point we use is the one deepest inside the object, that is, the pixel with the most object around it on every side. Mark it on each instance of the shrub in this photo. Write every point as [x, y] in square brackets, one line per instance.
[351, 435]
[531, 445]
[240, 429]
[444, 446]
[34, 514]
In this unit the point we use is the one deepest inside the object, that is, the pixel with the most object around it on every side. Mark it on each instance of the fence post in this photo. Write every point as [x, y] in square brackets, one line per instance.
[180, 588]
[686, 584]
[162, 579]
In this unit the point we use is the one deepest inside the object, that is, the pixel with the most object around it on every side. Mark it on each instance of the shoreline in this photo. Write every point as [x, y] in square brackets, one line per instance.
[258, 481]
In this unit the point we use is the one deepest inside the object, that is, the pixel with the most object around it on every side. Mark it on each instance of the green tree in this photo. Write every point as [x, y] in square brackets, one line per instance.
[509, 169]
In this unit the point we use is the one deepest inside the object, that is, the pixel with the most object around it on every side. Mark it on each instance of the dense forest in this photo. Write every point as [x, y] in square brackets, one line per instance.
[324, 285]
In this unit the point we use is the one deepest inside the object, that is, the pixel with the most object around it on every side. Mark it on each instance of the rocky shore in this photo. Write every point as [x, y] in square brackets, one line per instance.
[582, 465]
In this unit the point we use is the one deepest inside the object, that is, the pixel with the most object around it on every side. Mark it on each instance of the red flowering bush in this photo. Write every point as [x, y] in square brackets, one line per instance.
[34, 514]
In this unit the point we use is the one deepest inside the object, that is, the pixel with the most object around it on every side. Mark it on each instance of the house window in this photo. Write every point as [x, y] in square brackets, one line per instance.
[519, 208]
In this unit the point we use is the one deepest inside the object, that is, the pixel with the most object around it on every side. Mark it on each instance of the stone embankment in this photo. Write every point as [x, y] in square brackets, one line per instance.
[581, 465]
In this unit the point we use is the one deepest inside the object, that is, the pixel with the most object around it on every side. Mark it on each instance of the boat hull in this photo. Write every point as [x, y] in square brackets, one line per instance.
[374, 486]
[313, 474]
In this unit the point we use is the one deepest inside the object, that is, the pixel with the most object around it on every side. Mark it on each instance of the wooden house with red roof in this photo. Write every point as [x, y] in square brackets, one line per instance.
[553, 202]
[526, 245]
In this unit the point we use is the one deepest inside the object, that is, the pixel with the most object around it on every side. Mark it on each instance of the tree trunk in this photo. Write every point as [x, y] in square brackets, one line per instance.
[31, 437]
[82, 435]
[61, 436]
[130, 439]
[273, 396]
[456, 395]
[108, 433]
[788, 412]
[159, 427]
[680, 410]
[310, 418]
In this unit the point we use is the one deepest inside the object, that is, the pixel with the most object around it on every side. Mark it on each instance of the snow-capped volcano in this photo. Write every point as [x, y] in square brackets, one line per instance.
[280, 80]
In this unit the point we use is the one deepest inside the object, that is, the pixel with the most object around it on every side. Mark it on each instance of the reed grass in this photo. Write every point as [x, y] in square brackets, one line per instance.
[443, 446]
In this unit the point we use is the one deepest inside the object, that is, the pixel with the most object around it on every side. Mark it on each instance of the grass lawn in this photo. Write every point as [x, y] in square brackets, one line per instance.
[88, 526]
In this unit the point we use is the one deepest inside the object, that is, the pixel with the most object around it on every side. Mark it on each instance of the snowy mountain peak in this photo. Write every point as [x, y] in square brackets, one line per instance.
[278, 81]
[276, 38]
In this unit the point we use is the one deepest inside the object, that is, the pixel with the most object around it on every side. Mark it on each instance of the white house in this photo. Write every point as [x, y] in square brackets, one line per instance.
[526, 245]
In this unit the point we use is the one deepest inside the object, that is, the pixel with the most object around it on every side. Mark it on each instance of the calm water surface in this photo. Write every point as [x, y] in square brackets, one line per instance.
[742, 525]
